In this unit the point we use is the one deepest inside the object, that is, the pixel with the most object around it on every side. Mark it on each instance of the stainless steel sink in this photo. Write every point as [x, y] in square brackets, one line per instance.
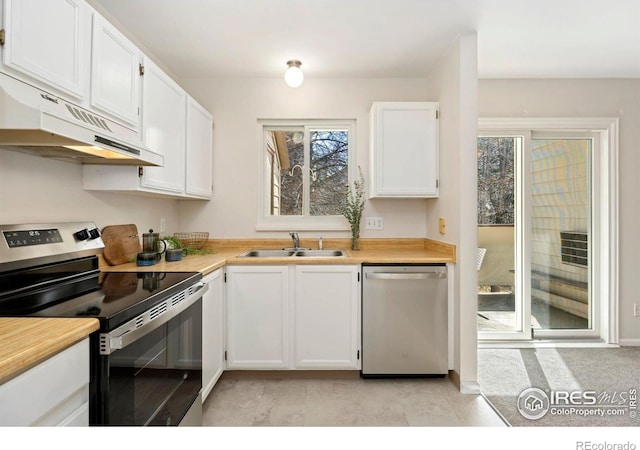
[305, 253]
[321, 253]
[267, 254]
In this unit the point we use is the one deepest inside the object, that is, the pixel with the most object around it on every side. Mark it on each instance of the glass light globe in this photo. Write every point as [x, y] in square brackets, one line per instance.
[293, 75]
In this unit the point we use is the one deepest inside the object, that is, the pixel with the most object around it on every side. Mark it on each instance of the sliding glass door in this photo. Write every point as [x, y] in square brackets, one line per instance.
[501, 259]
[534, 236]
[561, 235]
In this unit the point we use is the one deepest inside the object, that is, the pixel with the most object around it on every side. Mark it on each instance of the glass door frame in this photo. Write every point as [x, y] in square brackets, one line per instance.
[593, 330]
[605, 206]
[522, 227]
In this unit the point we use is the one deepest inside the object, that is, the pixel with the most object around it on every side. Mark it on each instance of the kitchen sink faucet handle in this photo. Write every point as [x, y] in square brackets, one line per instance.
[296, 239]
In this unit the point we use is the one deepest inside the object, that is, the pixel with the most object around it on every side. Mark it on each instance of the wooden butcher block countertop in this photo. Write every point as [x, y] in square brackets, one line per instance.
[28, 341]
[226, 251]
[25, 342]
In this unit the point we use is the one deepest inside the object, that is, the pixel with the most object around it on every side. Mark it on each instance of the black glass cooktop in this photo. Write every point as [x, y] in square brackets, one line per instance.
[78, 289]
[121, 296]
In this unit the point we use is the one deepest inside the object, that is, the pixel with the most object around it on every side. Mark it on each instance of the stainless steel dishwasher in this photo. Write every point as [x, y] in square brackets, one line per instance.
[404, 321]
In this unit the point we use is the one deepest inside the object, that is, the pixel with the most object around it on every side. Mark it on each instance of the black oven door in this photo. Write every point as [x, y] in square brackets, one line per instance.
[155, 377]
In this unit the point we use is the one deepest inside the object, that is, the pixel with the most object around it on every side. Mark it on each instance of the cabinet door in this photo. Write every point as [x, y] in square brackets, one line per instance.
[199, 150]
[257, 317]
[404, 149]
[115, 73]
[212, 331]
[47, 43]
[326, 317]
[163, 129]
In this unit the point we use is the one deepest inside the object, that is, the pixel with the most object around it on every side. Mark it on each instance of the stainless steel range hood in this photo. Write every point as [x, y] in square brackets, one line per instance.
[39, 123]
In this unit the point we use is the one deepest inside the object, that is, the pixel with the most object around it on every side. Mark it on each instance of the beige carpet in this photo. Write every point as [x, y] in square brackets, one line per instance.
[603, 382]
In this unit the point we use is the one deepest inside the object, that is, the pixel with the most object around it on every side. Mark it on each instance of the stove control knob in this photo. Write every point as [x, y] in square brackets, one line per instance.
[94, 233]
[82, 235]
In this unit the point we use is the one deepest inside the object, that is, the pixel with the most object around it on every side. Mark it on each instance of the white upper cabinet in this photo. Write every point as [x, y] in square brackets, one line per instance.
[404, 149]
[47, 44]
[199, 150]
[175, 126]
[163, 129]
[115, 73]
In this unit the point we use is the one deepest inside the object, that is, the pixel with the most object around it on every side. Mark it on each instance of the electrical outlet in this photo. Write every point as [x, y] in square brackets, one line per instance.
[163, 225]
[374, 223]
[442, 225]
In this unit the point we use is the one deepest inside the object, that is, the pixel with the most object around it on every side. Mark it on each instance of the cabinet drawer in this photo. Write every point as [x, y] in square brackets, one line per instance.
[60, 381]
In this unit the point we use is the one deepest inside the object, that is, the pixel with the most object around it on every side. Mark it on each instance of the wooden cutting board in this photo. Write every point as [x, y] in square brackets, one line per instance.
[121, 243]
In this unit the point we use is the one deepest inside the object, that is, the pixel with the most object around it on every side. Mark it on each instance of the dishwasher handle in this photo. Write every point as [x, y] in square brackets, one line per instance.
[405, 276]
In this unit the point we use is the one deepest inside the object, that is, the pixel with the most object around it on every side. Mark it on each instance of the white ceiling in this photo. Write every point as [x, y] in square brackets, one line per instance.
[386, 38]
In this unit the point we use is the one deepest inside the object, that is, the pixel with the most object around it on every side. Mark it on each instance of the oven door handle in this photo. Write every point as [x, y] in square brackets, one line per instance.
[132, 330]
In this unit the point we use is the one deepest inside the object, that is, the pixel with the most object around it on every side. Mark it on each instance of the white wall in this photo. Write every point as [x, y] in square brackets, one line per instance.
[588, 98]
[35, 189]
[454, 84]
[237, 104]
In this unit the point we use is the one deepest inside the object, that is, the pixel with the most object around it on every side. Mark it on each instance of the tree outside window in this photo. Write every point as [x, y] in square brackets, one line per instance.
[496, 181]
[309, 170]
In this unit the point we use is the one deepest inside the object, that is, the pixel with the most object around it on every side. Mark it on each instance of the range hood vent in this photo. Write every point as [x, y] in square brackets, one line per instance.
[42, 124]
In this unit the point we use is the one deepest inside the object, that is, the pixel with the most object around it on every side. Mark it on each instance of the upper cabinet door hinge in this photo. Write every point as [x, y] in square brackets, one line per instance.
[437, 183]
[141, 69]
[437, 114]
[2, 37]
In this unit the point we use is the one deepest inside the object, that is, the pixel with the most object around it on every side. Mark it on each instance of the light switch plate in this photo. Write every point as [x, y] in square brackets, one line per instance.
[374, 223]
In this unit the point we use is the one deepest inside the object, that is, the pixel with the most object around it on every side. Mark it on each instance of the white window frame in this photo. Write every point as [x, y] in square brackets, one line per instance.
[268, 222]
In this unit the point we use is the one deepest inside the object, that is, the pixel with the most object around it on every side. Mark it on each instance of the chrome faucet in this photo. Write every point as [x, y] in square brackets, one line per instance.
[296, 240]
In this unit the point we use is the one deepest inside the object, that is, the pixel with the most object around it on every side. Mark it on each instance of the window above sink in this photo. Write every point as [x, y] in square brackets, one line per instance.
[307, 166]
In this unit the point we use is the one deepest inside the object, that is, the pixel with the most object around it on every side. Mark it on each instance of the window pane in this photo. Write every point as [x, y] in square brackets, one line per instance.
[285, 158]
[329, 175]
[495, 180]
[496, 254]
[560, 233]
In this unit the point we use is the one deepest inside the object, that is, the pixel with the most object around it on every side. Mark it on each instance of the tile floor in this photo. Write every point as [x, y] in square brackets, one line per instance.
[344, 402]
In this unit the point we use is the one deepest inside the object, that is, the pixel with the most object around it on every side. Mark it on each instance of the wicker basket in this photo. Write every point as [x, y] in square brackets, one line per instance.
[194, 241]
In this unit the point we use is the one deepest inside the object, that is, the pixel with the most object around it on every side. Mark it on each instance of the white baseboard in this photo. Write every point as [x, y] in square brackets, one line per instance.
[469, 387]
[629, 342]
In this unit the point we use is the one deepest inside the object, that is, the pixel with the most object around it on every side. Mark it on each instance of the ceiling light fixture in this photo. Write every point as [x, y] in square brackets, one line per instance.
[293, 76]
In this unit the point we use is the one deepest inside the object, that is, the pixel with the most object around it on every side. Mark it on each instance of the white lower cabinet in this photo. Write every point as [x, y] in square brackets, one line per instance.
[257, 317]
[213, 331]
[53, 393]
[326, 317]
[293, 317]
